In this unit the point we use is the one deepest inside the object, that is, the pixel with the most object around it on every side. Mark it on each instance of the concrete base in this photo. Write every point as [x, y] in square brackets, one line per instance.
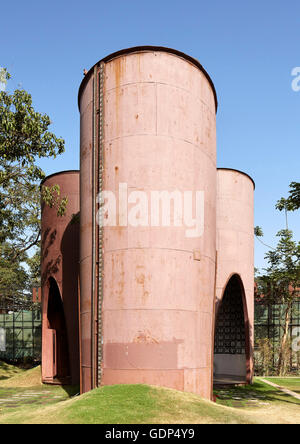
[229, 380]
[55, 381]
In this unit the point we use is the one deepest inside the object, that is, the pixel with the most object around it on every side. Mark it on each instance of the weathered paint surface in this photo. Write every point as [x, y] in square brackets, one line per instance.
[60, 261]
[235, 242]
[158, 308]
[159, 287]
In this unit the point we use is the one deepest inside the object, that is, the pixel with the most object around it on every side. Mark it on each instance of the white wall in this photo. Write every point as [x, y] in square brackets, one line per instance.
[230, 365]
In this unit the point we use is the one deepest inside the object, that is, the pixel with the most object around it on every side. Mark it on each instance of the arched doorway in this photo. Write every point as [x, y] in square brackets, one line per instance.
[232, 336]
[58, 332]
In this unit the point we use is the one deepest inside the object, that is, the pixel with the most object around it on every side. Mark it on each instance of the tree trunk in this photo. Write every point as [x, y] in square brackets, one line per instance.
[282, 354]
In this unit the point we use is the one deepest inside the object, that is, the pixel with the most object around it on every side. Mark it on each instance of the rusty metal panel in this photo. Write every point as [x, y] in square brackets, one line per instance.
[60, 261]
[159, 133]
[235, 244]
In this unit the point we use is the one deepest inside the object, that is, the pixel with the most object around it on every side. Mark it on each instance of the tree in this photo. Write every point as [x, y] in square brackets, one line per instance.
[24, 138]
[13, 278]
[292, 203]
[281, 284]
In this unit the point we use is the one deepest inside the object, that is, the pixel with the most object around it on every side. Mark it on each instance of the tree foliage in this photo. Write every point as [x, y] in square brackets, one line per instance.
[280, 285]
[292, 203]
[52, 197]
[24, 138]
[24, 133]
[282, 280]
[13, 277]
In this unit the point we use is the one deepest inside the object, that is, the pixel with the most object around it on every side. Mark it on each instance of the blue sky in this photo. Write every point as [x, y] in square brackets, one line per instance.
[249, 49]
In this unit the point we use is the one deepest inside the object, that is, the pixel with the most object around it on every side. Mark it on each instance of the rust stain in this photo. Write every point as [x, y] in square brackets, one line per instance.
[145, 337]
[119, 72]
[141, 279]
[121, 283]
[118, 277]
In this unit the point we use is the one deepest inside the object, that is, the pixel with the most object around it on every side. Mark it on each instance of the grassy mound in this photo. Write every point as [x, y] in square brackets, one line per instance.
[22, 378]
[131, 404]
[138, 404]
[8, 371]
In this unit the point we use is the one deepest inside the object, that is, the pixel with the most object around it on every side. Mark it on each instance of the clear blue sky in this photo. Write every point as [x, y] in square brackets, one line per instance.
[249, 48]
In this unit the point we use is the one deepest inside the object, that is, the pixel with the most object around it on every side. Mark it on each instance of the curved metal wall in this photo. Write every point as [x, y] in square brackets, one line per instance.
[235, 240]
[60, 261]
[158, 285]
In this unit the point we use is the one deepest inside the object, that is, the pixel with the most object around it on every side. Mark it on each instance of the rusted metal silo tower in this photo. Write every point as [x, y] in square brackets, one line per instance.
[147, 290]
[60, 282]
[235, 276]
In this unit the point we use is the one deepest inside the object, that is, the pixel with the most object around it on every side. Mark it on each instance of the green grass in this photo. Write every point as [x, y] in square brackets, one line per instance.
[142, 404]
[289, 383]
[129, 404]
[24, 400]
[257, 395]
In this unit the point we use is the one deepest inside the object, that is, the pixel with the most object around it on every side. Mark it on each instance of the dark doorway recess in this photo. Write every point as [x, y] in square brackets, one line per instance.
[57, 324]
[232, 336]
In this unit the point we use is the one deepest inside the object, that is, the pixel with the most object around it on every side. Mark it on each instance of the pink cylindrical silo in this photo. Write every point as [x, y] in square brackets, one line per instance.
[235, 274]
[148, 135]
[60, 283]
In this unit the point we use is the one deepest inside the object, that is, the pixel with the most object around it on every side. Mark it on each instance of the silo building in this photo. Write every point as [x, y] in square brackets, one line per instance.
[153, 282]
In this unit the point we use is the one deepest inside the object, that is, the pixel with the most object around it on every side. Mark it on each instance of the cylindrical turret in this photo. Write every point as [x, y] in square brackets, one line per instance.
[60, 275]
[235, 274]
[148, 136]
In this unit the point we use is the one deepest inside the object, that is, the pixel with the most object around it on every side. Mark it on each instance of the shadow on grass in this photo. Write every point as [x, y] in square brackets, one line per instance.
[260, 392]
[286, 383]
[71, 390]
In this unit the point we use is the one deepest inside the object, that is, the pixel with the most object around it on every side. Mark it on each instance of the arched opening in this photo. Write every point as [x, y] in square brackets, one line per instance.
[232, 336]
[58, 333]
